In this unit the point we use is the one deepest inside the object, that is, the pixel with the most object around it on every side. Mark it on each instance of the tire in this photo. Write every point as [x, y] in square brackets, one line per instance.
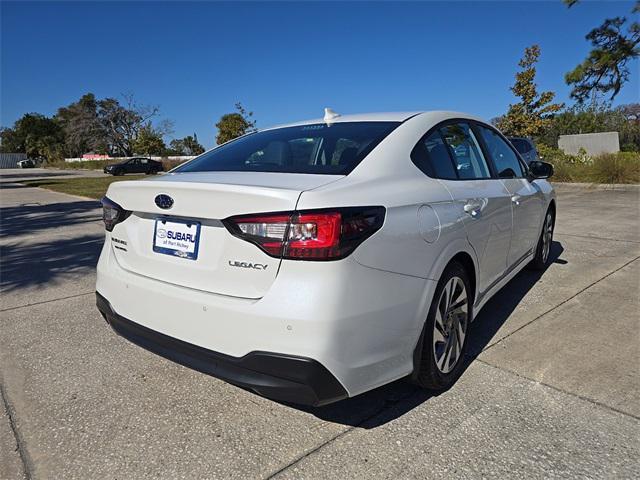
[440, 336]
[118, 173]
[541, 259]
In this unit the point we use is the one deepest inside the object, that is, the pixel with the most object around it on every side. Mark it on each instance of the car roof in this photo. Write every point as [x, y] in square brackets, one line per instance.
[378, 117]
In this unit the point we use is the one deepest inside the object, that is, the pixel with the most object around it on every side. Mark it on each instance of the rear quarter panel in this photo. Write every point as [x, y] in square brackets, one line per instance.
[421, 223]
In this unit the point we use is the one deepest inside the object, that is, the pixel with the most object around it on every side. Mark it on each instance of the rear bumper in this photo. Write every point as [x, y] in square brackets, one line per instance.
[280, 377]
[360, 324]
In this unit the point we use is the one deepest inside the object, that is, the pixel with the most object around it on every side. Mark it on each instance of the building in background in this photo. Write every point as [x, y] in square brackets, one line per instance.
[592, 143]
[10, 160]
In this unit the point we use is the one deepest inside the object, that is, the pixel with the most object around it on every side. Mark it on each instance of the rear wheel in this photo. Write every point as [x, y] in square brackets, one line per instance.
[445, 333]
[543, 249]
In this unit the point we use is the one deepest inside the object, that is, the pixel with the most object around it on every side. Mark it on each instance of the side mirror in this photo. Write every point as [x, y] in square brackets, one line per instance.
[539, 170]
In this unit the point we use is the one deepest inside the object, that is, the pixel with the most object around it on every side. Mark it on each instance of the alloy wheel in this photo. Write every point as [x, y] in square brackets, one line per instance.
[450, 326]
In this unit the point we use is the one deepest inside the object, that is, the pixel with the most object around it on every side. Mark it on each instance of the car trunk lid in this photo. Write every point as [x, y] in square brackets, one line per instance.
[225, 264]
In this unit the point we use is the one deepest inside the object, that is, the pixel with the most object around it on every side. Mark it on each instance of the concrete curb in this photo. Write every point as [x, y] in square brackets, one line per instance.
[597, 186]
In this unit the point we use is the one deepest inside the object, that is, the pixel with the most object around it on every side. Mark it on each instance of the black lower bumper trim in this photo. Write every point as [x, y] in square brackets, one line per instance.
[280, 377]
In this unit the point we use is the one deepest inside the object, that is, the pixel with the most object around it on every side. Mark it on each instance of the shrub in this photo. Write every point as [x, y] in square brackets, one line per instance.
[622, 167]
[86, 165]
[169, 164]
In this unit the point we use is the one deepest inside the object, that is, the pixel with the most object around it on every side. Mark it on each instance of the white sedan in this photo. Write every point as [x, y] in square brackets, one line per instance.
[319, 260]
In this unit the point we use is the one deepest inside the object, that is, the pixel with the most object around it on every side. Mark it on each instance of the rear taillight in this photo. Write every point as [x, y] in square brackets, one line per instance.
[311, 234]
[112, 213]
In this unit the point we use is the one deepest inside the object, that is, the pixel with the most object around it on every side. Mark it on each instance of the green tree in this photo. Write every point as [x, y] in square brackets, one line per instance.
[148, 141]
[186, 146]
[594, 118]
[36, 135]
[192, 145]
[234, 125]
[530, 116]
[605, 70]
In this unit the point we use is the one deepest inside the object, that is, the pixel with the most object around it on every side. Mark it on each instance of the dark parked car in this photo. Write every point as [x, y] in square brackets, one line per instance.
[526, 148]
[28, 163]
[135, 165]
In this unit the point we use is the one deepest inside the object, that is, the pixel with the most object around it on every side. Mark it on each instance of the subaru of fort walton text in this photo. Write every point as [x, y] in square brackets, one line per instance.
[316, 261]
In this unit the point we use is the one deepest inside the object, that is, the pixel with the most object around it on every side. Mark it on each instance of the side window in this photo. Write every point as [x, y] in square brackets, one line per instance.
[431, 156]
[505, 160]
[465, 151]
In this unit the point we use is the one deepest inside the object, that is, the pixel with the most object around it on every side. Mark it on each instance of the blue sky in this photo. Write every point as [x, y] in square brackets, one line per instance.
[287, 61]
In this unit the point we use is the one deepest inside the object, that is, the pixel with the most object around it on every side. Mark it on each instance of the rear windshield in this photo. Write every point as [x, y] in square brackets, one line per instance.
[521, 145]
[319, 148]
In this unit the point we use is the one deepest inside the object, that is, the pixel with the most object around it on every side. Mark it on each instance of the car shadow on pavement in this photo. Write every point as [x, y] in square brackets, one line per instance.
[497, 310]
[377, 407]
[11, 185]
[32, 217]
[47, 263]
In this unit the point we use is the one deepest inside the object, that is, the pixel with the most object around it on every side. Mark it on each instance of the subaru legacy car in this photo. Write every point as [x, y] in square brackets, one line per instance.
[316, 261]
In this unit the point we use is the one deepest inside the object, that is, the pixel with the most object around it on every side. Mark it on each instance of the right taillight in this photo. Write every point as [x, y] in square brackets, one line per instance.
[327, 234]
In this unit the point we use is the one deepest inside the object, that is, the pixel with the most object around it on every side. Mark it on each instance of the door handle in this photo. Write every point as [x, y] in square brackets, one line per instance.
[472, 207]
[516, 199]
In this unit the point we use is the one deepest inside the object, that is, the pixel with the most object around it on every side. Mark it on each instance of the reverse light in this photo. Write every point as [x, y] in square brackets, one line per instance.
[112, 213]
[328, 234]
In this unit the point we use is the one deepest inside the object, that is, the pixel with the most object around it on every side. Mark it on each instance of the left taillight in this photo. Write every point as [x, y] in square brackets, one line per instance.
[328, 234]
[112, 213]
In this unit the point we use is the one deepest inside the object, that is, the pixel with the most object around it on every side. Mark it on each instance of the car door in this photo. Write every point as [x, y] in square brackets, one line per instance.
[483, 202]
[526, 197]
[132, 166]
[136, 166]
[129, 166]
[144, 165]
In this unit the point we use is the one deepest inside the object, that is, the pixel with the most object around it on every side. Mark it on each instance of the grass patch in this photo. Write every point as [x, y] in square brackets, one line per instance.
[85, 187]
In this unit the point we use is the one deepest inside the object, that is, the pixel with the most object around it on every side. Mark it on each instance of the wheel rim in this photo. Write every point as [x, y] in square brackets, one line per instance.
[450, 326]
[547, 237]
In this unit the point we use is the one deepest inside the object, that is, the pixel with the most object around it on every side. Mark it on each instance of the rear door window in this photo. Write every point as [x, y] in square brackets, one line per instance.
[432, 157]
[469, 161]
[451, 152]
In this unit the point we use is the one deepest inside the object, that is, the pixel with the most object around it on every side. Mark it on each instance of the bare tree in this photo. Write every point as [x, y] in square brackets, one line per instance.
[122, 124]
[82, 130]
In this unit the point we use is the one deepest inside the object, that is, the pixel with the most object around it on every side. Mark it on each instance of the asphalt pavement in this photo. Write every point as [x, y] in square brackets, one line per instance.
[552, 386]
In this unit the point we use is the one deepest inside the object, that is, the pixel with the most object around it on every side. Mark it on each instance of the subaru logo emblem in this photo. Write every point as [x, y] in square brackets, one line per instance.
[164, 201]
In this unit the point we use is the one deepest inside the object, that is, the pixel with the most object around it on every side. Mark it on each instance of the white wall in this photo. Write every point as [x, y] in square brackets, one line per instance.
[593, 143]
[120, 159]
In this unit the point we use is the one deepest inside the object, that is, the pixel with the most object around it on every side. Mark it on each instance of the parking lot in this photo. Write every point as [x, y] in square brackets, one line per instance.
[552, 386]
